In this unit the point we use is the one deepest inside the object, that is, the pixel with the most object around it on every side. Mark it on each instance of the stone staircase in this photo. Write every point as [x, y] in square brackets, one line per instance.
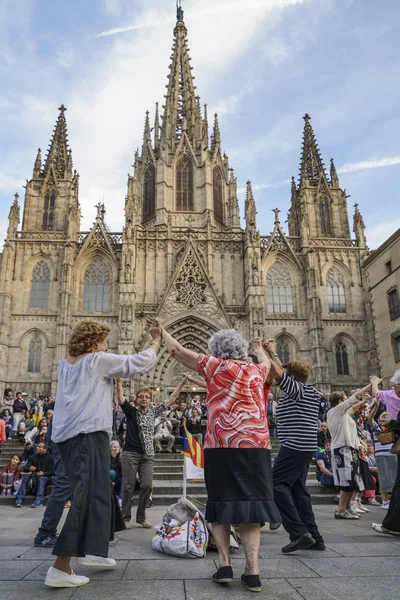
[168, 477]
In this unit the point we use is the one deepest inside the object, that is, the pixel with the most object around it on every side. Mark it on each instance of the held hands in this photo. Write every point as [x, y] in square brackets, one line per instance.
[270, 346]
[256, 344]
[154, 328]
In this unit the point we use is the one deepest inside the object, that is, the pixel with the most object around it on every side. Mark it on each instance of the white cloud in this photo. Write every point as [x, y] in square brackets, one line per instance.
[266, 186]
[10, 184]
[112, 7]
[207, 9]
[379, 233]
[370, 164]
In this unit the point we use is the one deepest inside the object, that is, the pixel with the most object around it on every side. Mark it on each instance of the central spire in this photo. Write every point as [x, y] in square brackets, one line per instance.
[181, 106]
[311, 165]
[59, 156]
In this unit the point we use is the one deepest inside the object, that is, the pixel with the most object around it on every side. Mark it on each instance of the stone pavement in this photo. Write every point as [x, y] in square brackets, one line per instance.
[357, 564]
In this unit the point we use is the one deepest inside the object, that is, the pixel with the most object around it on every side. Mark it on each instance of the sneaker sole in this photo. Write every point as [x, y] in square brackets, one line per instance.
[94, 563]
[62, 584]
[226, 580]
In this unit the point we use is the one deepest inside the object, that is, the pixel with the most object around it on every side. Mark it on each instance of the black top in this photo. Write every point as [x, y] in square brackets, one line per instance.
[132, 438]
[193, 426]
[42, 462]
[115, 465]
[19, 405]
[140, 428]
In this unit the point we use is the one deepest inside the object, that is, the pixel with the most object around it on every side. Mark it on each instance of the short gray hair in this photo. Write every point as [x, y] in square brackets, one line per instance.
[396, 377]
[228, 343]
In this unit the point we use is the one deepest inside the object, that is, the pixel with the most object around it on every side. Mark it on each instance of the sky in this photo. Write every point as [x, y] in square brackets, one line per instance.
[260, 64]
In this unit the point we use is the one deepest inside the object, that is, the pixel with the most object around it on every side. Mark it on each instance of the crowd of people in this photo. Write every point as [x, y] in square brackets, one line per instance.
[352, 440]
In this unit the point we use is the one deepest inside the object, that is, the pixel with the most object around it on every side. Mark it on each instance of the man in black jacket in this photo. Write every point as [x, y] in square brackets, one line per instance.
[40, 465]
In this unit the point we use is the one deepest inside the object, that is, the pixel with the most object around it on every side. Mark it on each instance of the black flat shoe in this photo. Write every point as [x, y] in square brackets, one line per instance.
[320, 545]
[302, 543]
[223, 575]
[252, 582]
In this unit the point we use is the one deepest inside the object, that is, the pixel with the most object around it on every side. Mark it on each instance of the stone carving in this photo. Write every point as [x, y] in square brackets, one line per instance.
[190, 284]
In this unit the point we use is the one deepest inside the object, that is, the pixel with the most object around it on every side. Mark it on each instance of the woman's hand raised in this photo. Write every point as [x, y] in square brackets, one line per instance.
[154, 328]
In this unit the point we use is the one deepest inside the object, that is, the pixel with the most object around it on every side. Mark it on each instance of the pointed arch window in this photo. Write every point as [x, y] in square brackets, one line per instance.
[218, 196]
[283, 350]
[35, 354]
[342, 358]
[184, 185]
[97, 283]
[48, 212]
[279, 289]
[149, 193]
[325, 216]
[335, 291]
[40, 286]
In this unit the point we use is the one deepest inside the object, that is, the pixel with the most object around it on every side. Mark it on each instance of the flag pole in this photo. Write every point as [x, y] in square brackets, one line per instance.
[184, 477]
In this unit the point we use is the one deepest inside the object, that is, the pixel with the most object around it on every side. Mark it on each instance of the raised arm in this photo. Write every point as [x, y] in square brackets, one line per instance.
[276, 371]
[197, 382]
[179, 352]
[257, 348]
[175, 394]
[120, 391]
[127, 366]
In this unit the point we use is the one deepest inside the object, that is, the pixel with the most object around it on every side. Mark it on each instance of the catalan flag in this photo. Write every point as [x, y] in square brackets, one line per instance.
[192, 449]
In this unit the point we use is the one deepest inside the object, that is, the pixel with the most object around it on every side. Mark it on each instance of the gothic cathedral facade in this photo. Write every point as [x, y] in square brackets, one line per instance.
[184, 256]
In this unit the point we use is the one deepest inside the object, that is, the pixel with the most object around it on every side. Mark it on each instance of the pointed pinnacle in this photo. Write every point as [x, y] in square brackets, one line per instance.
[216, 133]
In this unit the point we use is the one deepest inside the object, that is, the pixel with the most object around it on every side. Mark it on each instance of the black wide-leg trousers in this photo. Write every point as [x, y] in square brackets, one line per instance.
[94, 515]
[291, 496]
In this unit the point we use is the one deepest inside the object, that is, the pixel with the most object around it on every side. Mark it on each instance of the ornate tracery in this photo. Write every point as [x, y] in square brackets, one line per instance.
[279, 289]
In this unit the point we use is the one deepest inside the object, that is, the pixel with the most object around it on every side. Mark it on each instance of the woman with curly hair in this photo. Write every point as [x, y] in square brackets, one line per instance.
[237, 446]
[81, 429]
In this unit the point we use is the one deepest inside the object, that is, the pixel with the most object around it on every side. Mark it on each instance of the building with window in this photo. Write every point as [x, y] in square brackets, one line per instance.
[382, 274]
[184, 255]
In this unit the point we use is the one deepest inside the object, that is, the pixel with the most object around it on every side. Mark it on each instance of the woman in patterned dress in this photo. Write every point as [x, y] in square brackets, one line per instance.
[237, 447]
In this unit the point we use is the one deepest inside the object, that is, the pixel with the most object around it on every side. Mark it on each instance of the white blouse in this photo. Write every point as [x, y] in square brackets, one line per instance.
[85, 391]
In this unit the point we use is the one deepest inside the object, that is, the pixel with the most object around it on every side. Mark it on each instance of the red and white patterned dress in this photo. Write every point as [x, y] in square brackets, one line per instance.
[236, 407]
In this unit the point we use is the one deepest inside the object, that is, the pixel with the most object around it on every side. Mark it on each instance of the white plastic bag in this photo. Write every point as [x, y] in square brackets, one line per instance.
[188, 539]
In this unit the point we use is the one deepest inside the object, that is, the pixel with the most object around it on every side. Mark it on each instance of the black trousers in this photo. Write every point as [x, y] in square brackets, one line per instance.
[94, 515]
[392, 518]
[291, 495]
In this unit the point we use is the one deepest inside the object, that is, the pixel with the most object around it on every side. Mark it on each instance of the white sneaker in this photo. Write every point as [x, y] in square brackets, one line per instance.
[362, 506]
[354, 510]
[60, 579]
[385, 504]
[97, 561]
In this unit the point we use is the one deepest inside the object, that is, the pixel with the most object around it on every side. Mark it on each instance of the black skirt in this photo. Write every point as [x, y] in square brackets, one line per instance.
[239, 486]
[94, 515]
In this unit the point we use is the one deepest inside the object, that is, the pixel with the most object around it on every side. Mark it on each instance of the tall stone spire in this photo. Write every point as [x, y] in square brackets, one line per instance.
[58, 156]
[180, 105]
[37, 167]
[250, 208]
[359, 227]
[311, 165]
[156, 127]
[216, 135]
[334, 175]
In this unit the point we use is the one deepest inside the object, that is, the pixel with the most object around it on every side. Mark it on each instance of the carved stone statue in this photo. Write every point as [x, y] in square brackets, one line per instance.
[179, 11]
[256, 277]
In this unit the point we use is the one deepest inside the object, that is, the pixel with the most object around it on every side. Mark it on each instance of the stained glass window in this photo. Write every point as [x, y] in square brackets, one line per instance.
[149, 193]
[35, 354]
[40, 286]
[96, 291]
[279, 289]
[218, 200]
[335, 291]
[184, 185]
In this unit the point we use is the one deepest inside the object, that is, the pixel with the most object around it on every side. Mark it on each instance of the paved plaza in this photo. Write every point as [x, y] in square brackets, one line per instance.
[357, 563]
